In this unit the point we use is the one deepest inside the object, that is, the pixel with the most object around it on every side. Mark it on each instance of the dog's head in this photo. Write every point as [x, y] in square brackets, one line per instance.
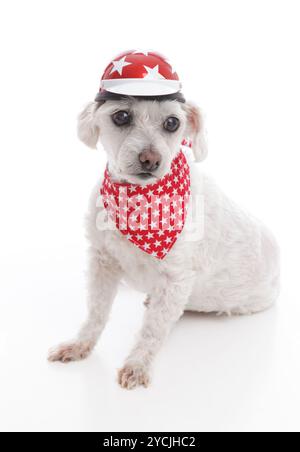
[141, 137]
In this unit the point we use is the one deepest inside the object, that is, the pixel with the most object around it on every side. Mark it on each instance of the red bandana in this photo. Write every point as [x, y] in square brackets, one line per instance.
[151, 217]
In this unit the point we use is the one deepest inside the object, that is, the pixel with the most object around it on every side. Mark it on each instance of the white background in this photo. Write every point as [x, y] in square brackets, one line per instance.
[240, 61]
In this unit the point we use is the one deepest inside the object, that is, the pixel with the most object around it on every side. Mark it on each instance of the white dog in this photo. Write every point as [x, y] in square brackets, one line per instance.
[232, 267]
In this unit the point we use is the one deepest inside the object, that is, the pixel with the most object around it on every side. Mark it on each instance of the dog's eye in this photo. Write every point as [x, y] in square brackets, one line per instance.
[171, 124]
[121, 118]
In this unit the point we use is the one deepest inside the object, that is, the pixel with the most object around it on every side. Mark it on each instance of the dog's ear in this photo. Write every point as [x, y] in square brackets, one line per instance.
[87, 130]
[196, 131]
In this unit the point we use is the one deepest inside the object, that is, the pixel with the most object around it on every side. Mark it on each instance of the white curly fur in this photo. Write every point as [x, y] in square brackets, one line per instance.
[232, 268]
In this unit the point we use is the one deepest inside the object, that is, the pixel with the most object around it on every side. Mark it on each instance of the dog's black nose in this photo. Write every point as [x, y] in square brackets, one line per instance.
[150, 160]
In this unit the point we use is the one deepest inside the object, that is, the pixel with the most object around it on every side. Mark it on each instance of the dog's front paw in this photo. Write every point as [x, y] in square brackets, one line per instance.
[133, 375]
[66, 353]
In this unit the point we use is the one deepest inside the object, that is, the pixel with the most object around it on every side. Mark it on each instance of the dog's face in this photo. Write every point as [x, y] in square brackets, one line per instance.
[141, 137]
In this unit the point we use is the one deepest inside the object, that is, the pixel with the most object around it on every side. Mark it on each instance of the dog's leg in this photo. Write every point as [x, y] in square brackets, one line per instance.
[162, 313]
[103, 278]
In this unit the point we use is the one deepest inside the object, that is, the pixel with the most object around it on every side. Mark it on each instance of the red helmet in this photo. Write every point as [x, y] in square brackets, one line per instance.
[139, 73]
